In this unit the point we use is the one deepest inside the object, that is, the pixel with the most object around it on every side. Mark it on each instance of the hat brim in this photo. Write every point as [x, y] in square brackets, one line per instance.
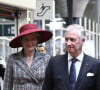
[44, 36]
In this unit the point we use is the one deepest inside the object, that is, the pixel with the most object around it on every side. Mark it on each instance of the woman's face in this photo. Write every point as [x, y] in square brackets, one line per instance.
[29, 42]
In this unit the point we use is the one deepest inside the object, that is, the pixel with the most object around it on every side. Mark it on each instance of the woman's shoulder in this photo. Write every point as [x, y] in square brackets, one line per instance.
[14, 56]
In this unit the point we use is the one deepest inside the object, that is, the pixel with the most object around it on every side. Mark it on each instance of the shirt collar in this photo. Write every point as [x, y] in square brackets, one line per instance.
[80, 57]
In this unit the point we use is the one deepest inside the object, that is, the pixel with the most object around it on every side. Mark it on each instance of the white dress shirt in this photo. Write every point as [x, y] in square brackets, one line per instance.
[77, 64]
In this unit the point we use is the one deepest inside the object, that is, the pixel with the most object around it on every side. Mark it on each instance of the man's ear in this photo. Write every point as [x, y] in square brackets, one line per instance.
[83, 40]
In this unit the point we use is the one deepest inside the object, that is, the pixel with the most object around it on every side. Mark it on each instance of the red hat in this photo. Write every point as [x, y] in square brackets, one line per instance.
[44, 35]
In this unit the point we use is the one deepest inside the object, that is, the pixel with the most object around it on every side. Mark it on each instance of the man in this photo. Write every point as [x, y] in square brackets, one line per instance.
[65, 73]
[41, 48]
[57, 51]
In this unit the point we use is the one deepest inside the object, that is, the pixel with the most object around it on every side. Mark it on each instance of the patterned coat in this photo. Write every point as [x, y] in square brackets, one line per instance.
[18, 76]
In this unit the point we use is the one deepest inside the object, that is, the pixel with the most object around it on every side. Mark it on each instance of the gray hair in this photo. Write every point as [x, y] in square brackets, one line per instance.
[80, 30]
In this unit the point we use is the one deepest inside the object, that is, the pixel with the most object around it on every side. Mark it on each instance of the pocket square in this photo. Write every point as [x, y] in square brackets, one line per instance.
[90, 74]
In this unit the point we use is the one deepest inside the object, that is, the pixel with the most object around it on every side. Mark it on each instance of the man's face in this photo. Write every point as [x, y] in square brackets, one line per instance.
[41, 49]
[73, 42]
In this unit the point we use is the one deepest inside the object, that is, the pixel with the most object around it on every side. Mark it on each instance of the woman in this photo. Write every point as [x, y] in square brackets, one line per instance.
[25, 69]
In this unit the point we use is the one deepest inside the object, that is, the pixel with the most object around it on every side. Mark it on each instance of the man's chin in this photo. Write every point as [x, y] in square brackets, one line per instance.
[71, 51]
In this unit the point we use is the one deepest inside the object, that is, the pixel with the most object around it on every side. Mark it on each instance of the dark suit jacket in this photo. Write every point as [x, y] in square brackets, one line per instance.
[57, 77]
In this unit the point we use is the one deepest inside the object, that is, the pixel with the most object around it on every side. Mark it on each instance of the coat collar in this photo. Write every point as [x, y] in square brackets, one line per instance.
[20, 61]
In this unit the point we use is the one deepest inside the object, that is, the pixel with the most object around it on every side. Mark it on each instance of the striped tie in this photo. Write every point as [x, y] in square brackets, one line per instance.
[72, 77]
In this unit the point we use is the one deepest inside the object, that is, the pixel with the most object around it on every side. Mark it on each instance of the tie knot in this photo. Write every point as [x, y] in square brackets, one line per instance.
[74, 60]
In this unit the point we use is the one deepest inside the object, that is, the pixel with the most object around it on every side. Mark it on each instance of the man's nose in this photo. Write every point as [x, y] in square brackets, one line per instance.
[68, 42]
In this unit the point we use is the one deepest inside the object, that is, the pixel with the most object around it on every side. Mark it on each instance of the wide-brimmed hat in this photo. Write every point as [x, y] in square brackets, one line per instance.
[44, 35]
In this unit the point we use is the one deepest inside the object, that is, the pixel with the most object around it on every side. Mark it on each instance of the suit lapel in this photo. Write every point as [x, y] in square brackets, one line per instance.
[38, 60]
[83, 70]
[64, 66]
[26, 70]
[20, 61]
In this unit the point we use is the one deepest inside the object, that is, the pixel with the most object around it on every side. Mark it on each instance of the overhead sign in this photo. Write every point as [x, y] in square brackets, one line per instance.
[44, 9]
[26, 4]
[7, 30]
